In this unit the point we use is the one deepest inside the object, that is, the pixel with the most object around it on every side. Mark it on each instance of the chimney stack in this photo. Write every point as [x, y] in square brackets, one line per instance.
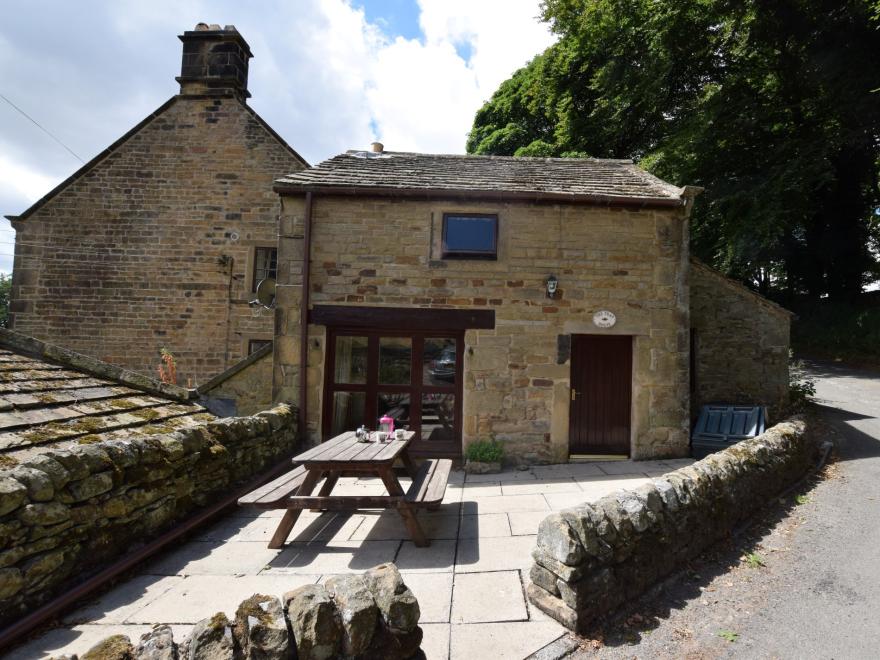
[377, 147]
[215, 62]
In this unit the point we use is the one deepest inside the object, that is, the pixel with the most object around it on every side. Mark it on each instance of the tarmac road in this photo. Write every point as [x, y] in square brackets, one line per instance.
[817, 594]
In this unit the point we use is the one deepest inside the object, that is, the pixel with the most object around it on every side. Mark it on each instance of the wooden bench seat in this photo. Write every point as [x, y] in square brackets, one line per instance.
[429, 485]
[274, 495]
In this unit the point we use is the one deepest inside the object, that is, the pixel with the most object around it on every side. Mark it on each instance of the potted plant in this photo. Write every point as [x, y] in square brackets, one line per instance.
[483, 457]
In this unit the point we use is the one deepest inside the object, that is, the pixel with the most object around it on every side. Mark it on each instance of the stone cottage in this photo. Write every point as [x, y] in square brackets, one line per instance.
[541, 302]
[160, 240]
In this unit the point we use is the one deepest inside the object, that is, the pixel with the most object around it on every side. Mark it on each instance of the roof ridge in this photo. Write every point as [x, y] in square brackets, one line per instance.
[623, 161]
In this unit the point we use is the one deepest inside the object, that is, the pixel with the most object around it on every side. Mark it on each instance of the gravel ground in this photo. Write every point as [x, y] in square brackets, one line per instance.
[802, 582]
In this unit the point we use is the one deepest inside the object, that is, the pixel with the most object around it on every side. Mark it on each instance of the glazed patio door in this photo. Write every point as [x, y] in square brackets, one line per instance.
[414, 378]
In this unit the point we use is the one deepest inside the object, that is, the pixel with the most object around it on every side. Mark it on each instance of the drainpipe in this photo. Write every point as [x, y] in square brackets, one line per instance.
[304, 319]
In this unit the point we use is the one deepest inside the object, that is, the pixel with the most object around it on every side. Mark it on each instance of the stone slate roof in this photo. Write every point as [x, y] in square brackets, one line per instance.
[52, 396]
[556, 178]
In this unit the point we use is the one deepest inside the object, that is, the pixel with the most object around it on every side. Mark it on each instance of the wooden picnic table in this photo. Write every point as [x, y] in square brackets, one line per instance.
[345, 454]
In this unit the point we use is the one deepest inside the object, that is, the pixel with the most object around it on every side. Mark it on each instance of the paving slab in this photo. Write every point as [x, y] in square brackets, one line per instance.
[389, 525]
[506, 504]
[503, 477]
[494, 554]
[472, 593]
[439, 557]
[200, 596]
[116, 605]
[435, 643]
[567, 470]
[541, 486]
[213, 558]
[486, 525]
[502, 641]
[434, 593]
[332, 557]
[525, 523]
[481, 489]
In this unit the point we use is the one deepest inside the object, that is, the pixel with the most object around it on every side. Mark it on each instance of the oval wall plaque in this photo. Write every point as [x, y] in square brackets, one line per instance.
[604, 319]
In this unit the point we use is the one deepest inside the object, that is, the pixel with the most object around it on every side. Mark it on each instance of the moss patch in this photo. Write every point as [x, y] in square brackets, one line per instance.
[122, 403]
[7, 461]
[87, 425]
[115, 647]
[144, 413]
[89, 439]
[47, 398]
[46, 433]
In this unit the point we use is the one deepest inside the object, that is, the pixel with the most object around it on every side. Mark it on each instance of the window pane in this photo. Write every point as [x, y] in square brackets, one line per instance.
[464, 234]
[395, 360]
[438, 421]
[265, 264]
[348, 412]
[351, 360]
[395, 405]
[438, 361]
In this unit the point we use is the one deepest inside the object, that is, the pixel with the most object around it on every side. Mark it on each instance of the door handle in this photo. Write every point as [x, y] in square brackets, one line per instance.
[574, 394]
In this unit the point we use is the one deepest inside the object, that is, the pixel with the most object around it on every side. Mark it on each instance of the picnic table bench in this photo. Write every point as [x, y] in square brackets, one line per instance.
[345, 454]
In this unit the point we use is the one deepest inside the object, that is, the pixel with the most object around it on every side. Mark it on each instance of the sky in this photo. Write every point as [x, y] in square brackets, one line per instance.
[328, 75]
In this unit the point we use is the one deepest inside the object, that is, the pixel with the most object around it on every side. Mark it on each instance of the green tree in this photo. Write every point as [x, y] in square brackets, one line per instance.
[771, 106]
[5, 289]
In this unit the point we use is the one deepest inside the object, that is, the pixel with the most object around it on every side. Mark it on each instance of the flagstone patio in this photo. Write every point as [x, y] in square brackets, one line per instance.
[470, 582]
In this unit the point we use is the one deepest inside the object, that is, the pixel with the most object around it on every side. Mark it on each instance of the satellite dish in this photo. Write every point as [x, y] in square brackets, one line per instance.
[266, 292]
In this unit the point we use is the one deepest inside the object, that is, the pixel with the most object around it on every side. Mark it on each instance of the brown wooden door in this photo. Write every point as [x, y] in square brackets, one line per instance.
[601, 381]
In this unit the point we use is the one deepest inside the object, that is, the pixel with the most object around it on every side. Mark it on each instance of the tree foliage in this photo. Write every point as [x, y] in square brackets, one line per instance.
[773, 107]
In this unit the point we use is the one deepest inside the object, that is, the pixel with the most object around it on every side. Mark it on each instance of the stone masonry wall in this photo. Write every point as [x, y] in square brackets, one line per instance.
[591, 558]
[517, 386]
[69, 512]
[250, 388]
[373, 615]
[140, 251]
[741, 344]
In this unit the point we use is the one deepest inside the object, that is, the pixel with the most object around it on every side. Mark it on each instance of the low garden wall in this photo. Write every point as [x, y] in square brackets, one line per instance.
[373, 615]
[66, 513]
[591, 558]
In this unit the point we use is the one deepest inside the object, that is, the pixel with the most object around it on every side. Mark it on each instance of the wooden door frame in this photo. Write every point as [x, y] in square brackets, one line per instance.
[416, 388]
[633, 393]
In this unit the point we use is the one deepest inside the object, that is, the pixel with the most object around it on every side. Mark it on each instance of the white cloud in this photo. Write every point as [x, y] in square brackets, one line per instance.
[322, 75]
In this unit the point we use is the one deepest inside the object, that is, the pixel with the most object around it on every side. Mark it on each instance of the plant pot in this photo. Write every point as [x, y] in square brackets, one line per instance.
[480, 467]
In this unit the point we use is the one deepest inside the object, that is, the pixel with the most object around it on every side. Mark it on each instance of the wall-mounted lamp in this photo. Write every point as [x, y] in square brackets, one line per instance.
[552, 284]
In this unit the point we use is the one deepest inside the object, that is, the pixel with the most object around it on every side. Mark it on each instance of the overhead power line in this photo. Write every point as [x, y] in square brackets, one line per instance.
[45, 130]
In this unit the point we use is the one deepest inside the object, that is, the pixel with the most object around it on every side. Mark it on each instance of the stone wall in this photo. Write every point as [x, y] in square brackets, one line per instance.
[517, 387]
[373, 615]
[152, 246]
[591, 558]
[243, 389]
[741, 344]
[67, 513]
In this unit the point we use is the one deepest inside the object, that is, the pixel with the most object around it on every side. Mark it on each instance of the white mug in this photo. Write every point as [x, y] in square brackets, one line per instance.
[399, 434]
[382, 435]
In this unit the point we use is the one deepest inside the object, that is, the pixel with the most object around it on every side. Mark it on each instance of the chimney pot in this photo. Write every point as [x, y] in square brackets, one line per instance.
[377, 147]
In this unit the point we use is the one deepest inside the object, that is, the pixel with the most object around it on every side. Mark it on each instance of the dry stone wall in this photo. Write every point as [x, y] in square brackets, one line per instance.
[373, 615]
[591, 558]
[66, 513]
[516, 377]
[153, 246]
[741, 344]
